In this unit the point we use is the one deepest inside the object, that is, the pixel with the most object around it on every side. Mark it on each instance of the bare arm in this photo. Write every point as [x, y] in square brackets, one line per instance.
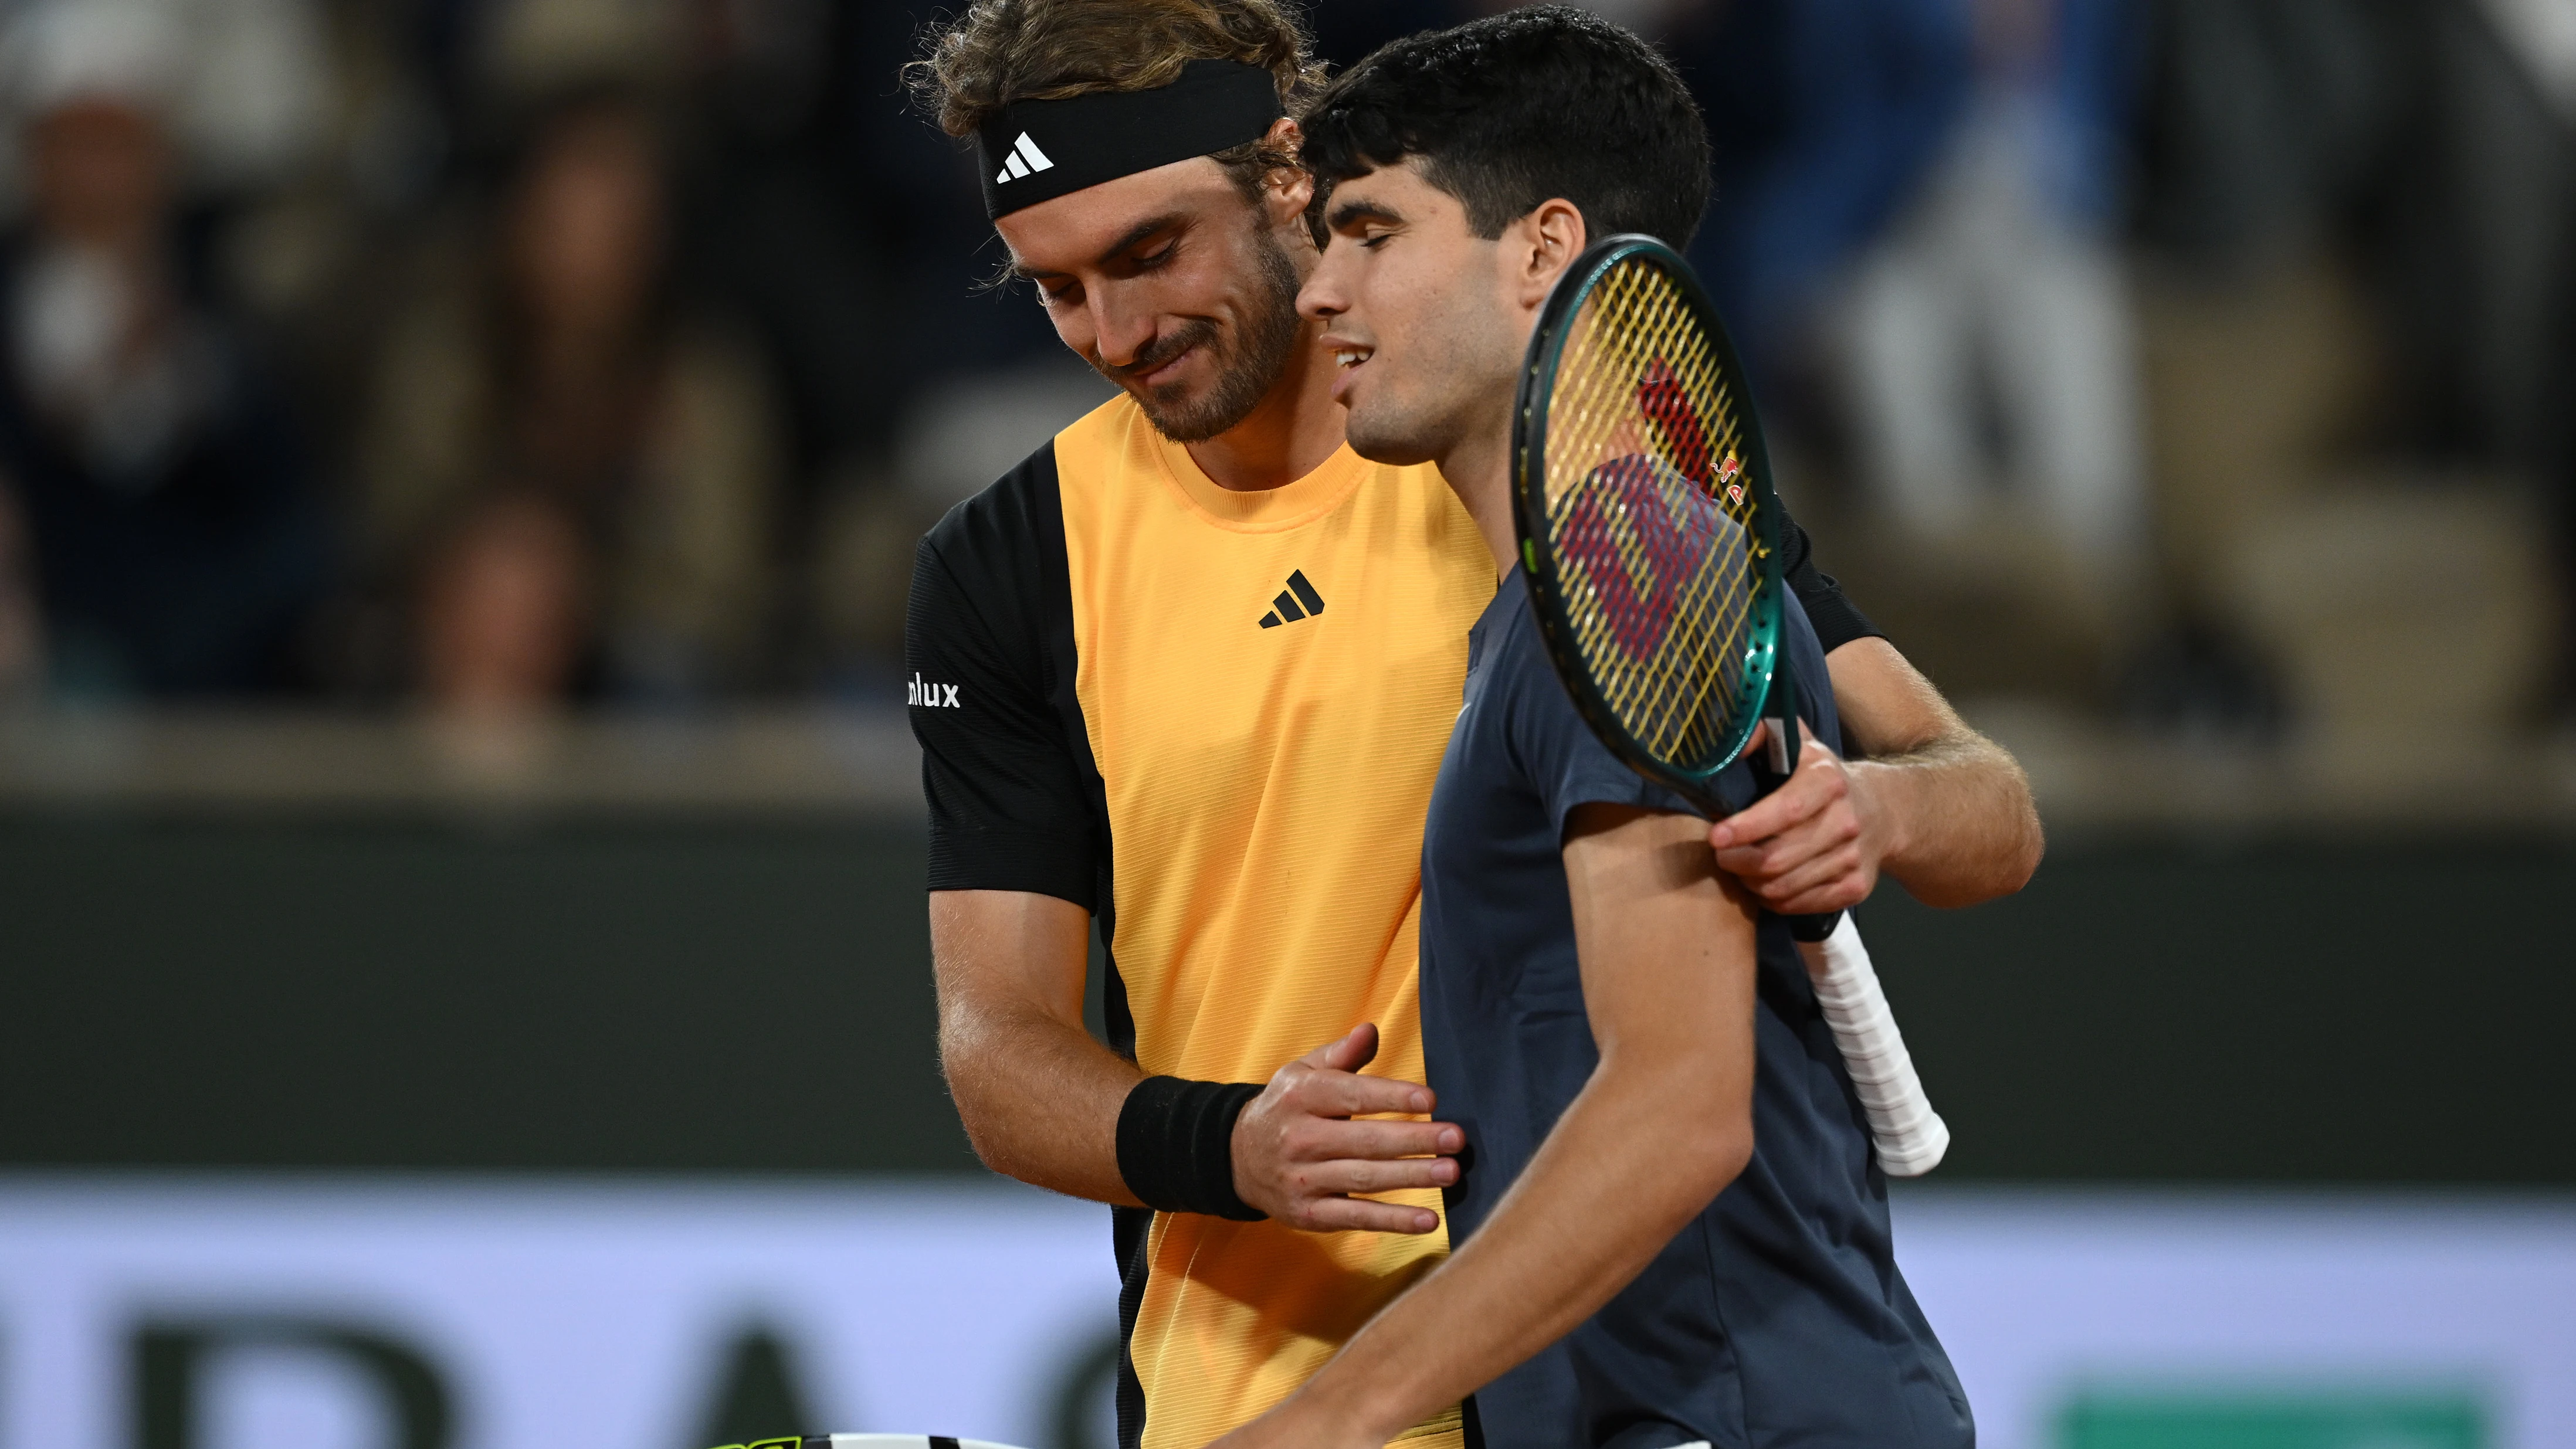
[1961, 826]
[1937, 805]
[1040, 1096]
[1664, 1123]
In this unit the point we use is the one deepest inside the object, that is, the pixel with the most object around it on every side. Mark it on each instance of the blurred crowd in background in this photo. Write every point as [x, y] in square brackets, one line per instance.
[2207, 366]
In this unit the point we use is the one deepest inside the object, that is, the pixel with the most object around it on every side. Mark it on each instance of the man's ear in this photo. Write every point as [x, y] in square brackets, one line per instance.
[1552, 236]
[1287, 190]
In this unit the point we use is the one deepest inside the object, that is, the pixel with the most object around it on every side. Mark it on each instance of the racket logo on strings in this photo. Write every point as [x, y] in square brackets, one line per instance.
[1623, 540]
[1662, 397]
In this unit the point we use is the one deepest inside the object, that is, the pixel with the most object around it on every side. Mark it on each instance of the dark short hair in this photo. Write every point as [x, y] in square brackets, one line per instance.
[1516, 108]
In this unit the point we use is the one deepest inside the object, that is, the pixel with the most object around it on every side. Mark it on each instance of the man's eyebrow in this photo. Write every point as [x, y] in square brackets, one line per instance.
[1135, 236]
[1351, 213]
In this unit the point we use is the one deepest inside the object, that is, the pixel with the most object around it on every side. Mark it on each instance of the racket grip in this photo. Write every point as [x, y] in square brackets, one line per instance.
[1909, 1135]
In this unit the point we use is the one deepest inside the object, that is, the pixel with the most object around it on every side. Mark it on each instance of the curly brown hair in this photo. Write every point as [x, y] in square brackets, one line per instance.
[1001, 52]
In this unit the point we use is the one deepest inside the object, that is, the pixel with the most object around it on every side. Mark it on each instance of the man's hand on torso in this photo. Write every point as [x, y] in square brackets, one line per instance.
[1300, 1158]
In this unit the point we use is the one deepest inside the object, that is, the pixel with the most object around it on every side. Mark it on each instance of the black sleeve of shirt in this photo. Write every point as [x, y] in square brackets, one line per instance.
[1838, 621]
[988, 645]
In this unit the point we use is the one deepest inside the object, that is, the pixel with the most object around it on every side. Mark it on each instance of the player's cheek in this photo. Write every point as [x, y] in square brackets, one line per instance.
[1073, 328]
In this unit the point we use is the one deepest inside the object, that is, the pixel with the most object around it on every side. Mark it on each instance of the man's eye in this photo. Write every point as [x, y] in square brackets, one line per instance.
[1371, 240]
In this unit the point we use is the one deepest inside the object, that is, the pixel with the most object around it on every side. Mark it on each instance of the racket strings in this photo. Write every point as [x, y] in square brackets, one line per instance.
[1647, 516]
[1658, 659]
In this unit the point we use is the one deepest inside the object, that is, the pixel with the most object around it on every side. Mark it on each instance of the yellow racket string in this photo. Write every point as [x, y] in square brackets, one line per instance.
[1657, 563]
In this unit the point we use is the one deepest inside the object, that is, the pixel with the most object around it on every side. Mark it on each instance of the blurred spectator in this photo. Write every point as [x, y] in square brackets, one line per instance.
[163, 485]
[1824, 116]
[800, 215]
[22, 656]
[569, 471]
[1989, 334]
[243, 85]
[2357, 214]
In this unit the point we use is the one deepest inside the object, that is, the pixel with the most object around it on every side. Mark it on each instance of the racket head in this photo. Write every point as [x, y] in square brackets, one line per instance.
[1649, 526]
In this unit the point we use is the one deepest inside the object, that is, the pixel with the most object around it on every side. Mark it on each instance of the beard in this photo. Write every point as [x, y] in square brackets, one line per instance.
[1245, 371]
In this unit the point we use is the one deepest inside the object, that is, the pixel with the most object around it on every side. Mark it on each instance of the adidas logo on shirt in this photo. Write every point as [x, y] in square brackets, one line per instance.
[1294, 602]
[1023, 158]
[923, 694]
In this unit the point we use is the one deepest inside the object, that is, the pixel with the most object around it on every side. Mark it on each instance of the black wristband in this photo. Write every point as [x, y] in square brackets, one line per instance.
[1176, 1146]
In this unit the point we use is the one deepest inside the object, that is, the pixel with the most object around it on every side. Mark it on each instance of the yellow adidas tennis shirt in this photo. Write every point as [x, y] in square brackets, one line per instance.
[1213, 719]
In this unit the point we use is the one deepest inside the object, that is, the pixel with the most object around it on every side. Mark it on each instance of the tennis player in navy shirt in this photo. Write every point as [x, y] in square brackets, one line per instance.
[1669, 1229]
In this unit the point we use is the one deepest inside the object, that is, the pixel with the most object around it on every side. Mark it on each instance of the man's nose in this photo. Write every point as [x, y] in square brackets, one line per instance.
[1120, 333]
[1320, 300]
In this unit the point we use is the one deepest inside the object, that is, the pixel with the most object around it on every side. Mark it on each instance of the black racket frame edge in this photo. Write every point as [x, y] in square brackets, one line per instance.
[1529, 516]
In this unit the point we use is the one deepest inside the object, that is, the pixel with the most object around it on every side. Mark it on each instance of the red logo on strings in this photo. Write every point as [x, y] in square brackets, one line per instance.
[1621, 501]
[1660, 398]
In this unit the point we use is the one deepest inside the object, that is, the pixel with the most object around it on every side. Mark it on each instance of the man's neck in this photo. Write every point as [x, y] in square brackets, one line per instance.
[1289, 435]
[1480, 473]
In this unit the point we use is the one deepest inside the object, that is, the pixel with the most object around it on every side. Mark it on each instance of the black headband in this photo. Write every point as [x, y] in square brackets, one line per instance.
[1039, 150]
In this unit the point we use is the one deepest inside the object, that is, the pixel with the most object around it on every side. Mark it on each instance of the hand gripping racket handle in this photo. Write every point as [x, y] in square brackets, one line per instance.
[1910, 1136]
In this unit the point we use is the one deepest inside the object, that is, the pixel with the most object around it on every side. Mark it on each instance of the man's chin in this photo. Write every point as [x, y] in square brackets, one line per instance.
[1176, 420]
[1387, 440]
[1194, 414]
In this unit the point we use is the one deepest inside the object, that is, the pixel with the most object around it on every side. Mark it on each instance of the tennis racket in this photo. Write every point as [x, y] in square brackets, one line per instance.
[1650, 533]
[867, 1441]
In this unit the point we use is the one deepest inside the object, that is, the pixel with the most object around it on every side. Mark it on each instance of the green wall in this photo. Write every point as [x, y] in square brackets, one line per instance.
[754, 995]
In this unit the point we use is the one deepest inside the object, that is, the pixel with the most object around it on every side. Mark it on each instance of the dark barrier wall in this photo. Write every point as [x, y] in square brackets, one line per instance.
[694, 997]
[418, 995]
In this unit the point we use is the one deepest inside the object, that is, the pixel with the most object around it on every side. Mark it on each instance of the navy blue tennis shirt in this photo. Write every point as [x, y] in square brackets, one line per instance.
[1777, 1317]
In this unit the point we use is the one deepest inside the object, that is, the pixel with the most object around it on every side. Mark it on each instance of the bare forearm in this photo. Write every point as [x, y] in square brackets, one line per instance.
[1041, 1099]
[1949, 810]
[1039, 1096]
[1040, 1102]
[1961, 827]
[1631, 1161]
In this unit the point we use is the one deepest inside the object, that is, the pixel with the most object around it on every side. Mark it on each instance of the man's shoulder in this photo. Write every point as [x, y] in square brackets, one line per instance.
[1518, 650]
[1516, 694]
[1101, 436]
[1003, 518]
[1098, 453]
[1024, 507]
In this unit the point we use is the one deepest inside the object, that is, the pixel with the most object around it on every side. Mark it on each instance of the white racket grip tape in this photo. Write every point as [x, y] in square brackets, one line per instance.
[1911, 1137]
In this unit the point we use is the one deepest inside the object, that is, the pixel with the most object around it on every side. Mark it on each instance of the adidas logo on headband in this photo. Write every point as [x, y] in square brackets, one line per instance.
[1023, 158]
[1104, 135]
